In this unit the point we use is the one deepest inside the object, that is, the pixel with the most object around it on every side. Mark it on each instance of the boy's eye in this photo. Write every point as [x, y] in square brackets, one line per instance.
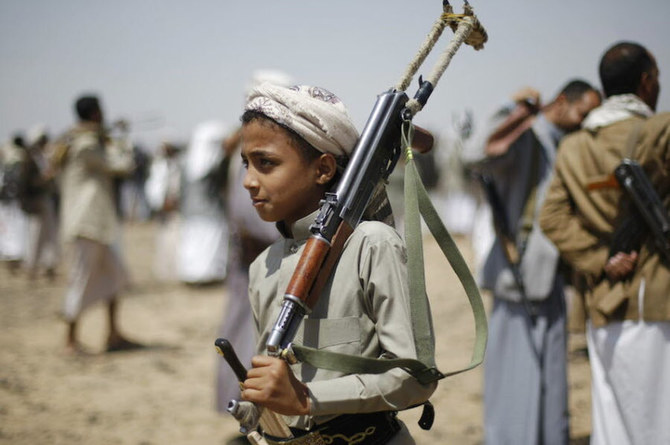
[265, 162]
[245, 163]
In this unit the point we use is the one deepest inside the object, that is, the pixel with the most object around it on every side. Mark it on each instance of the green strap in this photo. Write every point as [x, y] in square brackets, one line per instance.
[419, 305]
[417, 203]
[416, 196]
[354, 364]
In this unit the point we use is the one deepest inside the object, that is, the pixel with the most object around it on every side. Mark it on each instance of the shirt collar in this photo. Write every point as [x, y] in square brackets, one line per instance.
[300, 229]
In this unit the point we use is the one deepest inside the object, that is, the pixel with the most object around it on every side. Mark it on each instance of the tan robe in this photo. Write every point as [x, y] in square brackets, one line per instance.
[89, 219]
[581, 222]
[363, 310]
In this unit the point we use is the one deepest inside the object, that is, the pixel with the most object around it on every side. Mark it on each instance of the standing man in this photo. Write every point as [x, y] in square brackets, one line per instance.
[90, 222]
[203, 229]
[37, 200]
[628, 290]
[525, 383]
[163, 192]
[13, 221]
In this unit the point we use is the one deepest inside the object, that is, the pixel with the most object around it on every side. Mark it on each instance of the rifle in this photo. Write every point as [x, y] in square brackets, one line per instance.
[507, 239]
[374, 158]
[649, 211]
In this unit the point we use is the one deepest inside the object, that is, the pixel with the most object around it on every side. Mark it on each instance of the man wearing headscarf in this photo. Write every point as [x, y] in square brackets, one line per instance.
[203, 230]
[13, 220]
[38, 201]
[525, 375]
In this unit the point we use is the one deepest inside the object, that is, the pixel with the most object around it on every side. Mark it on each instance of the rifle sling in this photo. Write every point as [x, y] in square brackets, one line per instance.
[416, 198]
[417, 202]
[354, 364]
[529, 209]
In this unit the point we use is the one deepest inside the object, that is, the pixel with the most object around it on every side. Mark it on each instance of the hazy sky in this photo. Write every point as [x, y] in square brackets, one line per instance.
[177, 63]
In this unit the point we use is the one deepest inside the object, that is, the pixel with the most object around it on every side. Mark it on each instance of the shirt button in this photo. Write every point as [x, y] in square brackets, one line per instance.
[293, 248]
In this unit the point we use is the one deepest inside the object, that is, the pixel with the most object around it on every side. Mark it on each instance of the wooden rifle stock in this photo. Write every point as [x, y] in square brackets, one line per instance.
[423, 140]
[309, 265]
[519, 120]
[340, 237]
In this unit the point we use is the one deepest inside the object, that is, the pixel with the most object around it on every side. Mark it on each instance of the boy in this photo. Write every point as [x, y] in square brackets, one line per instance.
[295, 142]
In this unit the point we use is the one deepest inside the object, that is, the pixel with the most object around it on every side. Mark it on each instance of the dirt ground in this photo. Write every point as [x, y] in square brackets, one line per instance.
[164, 394]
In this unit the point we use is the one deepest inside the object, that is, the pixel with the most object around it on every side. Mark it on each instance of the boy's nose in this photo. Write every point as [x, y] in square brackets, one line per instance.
[249, 181]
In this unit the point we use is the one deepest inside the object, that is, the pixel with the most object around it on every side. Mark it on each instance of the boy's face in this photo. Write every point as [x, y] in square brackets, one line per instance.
[283, 185]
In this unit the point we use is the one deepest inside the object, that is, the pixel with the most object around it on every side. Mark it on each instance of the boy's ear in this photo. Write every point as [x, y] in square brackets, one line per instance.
[326, 168]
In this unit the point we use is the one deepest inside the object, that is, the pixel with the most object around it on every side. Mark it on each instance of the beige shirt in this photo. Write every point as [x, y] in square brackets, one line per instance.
[363, 310]
[581, 222]
[88, 208]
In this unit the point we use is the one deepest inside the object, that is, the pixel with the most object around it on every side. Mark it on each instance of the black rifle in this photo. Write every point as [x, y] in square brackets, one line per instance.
[507, 238]
[650, 213]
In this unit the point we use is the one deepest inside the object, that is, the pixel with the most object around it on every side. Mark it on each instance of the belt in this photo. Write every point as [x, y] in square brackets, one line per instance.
[348, 429]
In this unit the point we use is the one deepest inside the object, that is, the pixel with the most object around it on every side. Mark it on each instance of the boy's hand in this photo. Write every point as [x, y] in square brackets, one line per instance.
[271, 384]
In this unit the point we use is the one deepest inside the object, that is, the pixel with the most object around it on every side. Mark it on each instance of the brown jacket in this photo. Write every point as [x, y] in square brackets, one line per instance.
[581, 222]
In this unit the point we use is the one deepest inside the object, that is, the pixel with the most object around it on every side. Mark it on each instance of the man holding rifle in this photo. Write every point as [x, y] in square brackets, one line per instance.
[525, 383]
[89, 221]
[592, 221]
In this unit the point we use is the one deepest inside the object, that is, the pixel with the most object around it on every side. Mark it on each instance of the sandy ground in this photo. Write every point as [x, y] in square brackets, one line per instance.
[165, 394]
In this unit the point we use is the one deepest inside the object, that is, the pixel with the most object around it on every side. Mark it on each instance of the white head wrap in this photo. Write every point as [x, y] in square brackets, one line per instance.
[204, 150]
[314, 113]
[273, 76]
[614, 109]
[37, 132]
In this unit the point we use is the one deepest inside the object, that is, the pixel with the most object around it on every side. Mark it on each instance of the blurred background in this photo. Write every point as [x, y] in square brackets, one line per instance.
[176, 72]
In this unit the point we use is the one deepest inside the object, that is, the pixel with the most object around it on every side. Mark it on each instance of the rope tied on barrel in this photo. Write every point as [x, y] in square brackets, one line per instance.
[467, 29]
